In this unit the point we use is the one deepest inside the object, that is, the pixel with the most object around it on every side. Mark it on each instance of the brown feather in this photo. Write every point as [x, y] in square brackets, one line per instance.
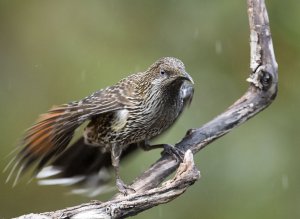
[39, 138]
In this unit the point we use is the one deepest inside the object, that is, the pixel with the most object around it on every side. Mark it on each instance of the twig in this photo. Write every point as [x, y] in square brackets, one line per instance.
[261, 92]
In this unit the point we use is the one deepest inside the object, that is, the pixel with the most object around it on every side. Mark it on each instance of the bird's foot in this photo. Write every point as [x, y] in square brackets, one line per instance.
[174, 152]
[123, 188]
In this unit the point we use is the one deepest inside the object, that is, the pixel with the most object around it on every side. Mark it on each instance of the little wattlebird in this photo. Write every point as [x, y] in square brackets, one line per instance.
[129, 113]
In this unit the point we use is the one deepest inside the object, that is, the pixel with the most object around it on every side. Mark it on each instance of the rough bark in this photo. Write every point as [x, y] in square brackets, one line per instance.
[150, 191]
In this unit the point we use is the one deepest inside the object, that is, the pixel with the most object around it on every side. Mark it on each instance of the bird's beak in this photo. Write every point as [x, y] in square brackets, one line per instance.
[187, 77]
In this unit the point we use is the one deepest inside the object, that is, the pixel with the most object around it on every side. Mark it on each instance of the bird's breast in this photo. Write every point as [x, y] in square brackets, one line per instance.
[141, 122]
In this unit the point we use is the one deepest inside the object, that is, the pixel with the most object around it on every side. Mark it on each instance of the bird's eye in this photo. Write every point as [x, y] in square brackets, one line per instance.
[162, 72]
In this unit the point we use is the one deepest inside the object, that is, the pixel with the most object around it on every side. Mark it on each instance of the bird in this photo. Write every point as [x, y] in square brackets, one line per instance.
[120, 118]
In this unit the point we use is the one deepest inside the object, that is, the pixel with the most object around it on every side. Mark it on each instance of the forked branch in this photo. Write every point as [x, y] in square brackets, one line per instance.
[149, 189]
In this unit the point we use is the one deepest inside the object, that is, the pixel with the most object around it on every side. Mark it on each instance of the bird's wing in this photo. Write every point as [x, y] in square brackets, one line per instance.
[53, 131]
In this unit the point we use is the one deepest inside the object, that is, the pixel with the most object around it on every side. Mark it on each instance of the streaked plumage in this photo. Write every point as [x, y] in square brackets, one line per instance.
[136, 109]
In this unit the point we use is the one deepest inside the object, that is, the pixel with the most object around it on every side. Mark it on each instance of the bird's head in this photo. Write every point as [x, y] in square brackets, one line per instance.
[168, 72]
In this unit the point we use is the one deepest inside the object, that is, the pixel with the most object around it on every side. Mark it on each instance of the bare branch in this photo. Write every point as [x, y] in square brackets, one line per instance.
[261, 92]
[130, 205]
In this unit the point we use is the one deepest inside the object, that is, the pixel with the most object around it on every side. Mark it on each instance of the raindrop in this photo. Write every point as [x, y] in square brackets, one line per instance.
[218, 47]
[196, 33]
[285, 182]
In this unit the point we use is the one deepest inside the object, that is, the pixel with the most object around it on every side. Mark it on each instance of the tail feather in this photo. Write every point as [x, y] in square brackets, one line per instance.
[81, 165]
[49, 136]
[53, 131]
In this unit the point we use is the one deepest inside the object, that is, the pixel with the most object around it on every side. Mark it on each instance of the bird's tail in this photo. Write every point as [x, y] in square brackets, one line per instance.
[84, 166]
[48, 137]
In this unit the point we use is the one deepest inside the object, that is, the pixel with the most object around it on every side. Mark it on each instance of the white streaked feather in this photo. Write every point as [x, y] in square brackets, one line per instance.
[104, 174]
[12, 171]
[95, 184]
[61, 181]
[9, 164]
[12, 152]
[18, 175]
[48, 172]
[93, 191]
[121, 119]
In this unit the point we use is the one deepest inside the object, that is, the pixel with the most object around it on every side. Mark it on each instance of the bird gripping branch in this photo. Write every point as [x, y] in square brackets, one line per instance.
[131, 112]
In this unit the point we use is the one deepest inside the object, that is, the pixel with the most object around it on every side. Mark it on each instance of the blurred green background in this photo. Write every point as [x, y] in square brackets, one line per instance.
[52, 52]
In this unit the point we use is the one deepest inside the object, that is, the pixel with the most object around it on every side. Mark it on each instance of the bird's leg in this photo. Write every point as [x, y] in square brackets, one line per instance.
[173, 151]
[169, 149]
[116, 152]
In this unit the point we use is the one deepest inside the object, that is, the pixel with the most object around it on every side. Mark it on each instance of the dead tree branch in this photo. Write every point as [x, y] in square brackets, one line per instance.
[149, 191]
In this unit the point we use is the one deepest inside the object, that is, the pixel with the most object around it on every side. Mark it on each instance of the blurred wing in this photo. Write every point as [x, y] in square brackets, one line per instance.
[84, 166]
[54, 130]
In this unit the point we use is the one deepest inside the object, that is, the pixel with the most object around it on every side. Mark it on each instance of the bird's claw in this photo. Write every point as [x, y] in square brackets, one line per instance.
[174, 152]
[123, 188]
